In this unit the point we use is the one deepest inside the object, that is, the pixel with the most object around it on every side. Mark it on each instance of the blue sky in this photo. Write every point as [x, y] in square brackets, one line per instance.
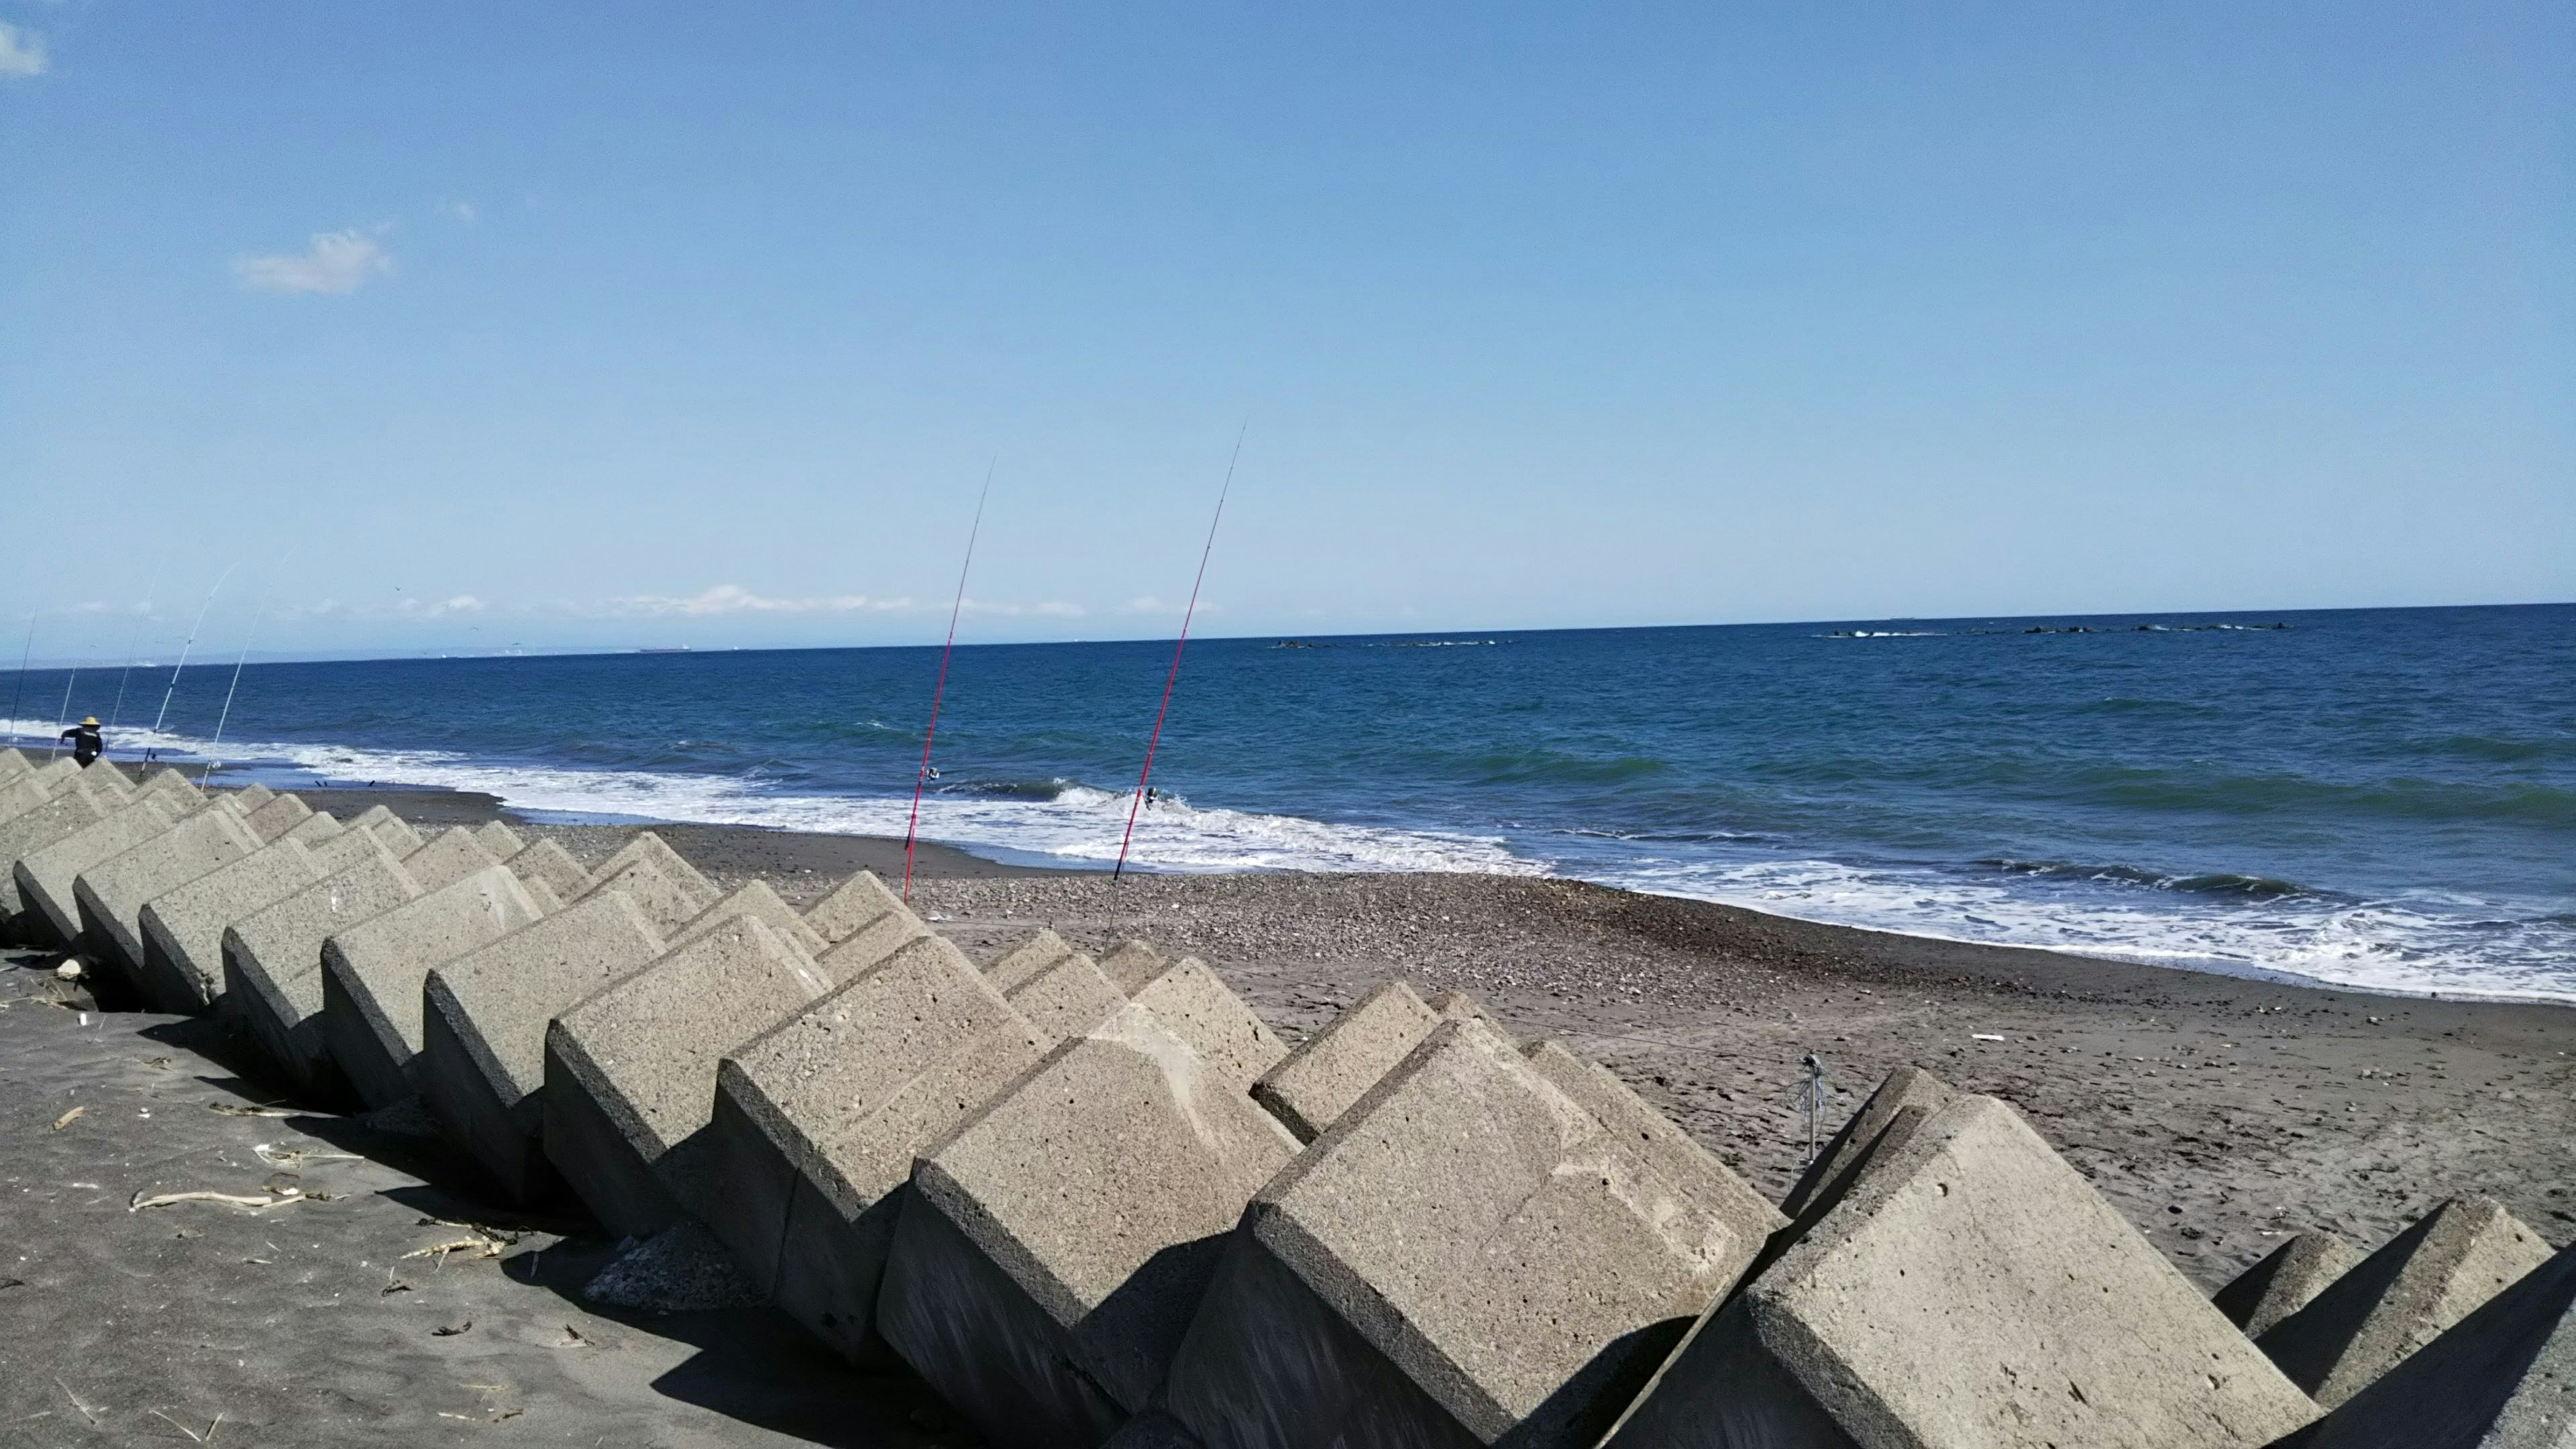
[476, 325]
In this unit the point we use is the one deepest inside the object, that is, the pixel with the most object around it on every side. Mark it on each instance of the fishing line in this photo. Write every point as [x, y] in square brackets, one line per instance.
[256, 614]
[158, 719]
[60, 715]
[133, 647]
[1164, 708]
[940, 687]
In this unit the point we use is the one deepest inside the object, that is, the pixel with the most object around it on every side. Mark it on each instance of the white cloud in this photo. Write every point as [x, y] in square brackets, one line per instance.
[735, 599]
[440, 608]
[336, 262]
[1148, 604]
[22, 52]
[1053, 607]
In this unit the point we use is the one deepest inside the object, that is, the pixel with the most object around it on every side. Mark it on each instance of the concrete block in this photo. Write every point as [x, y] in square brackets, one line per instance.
[1152, 1429]
[2504, 1377]
[547, 862]
[108, 897]
[1067, 997]
[279, 815]
[248, 797]
[1900, 1090]
[817, 1121]
[1024, 957]
[1190, 1002]
[482, 1063]
[1134, 964]
[12, 760]
[1057, 1243]
[872, 943]
[1968, 1288]
[2402, 1297]
[1488, 1246]
[390, 828]
[499, 841]
[853, 903]
[670, 905]
[2284, 1281]
[372, 974]
[758, 901]
[273, 964]
[183, 929]
[651, 849]
[450, 856]
[32, 830]
[631, 1072]
[32, 788]
[1314, 1085]
[51, 913]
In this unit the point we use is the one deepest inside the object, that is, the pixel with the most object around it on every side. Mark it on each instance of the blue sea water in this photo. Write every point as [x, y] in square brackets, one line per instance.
[2383, 798]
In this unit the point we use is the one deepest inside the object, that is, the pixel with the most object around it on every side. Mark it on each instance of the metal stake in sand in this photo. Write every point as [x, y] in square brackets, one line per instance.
[164, 715]
[941, 686]
[1811, 1101]
[1177, 646]
[19, 694]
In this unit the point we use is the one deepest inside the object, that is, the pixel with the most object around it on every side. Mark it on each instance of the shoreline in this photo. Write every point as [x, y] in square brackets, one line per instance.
[2219, 1112]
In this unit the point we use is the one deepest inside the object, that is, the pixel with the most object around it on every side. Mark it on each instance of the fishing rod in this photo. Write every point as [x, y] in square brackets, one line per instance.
[191, 644]
[20, 692]
[213, 763]
[1179, 644]
[60, 715]
[133, 647]
[940, 687]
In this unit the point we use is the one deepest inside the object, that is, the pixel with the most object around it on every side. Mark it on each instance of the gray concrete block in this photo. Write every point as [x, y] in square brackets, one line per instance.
[1488, 1246]
[631, 1072]
[853, 903]
[2402, 1297]
[1969, 1288]
[817, 1121]
[872, 943]
[2284, 1281]
[499, 841]
[482, 1063]
[50, 912]
[1850, 1148]
[651, 849]
[273, 965]
[32, 830]
[758, 901]
[2504, 1377]
[183, 929]
[548, 863]
[446, 858]
[1312, 1086]
[280, 814]
[12, 760]
[34, 787]
[390, 828]
[109, 896]
[248, 798]
[670, 905]
[1024, 957]
[372, 974]
[1057, 1243]
[1134, 964]
[1190, 1002]
[1067, 997]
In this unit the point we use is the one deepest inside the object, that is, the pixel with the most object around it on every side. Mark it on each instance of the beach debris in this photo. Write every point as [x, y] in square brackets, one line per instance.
[68, 1118]
[450, 1330]
[480, 1242]
[234, 1109]
[281, 1196]
[683, 1270]
[1987, 1036]
[86, 1411]
[70, 970]
[295, 1157]
[207, 1437]
[573, 1339]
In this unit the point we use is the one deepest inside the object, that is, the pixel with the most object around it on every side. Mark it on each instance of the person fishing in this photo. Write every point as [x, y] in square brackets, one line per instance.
[86, 745]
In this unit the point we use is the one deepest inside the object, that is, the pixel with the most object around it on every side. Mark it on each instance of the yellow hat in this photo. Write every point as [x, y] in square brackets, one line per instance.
[89, 719]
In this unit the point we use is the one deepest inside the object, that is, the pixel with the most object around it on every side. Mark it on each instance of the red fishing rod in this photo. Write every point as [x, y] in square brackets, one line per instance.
[941, 687]
[1177, 646]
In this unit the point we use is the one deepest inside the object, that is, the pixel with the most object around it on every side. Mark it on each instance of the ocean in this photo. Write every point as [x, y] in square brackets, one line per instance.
[2375, 798]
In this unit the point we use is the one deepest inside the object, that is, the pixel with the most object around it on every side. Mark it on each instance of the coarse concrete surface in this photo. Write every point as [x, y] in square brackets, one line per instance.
[549, 862]
[1189, 1001]
[668, 904]
[372, 974]
[1315, 1084]
[1970, 1288]
[109, 897]
[2284, 1280]
[1134, 963]
[758, 900]
[30, 788]
[1489, 1245]
[446, 858]
[2502, 1378]
[273, 966]
[499, 841]
[482, 1063]
[1848, 1149]
[1067, 996]
[1058, 1242]
[631, 1071]
[347, 1314]
[183, 929]
[31, 830]
[2402, 1297]
[51, 914]
[853, 903]
[649, 848]
[280, 814]
[817, 1122]
[1023, 955]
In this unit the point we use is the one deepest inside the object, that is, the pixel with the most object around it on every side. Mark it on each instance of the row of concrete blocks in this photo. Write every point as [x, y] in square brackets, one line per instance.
[1099, 1202]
